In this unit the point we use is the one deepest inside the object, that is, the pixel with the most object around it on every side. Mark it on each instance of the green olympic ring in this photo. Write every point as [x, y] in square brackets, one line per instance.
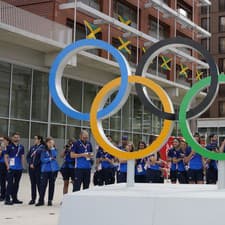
[184, 126]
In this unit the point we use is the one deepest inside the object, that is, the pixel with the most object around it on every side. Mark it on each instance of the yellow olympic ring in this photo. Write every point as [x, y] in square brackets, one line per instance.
[98, 131]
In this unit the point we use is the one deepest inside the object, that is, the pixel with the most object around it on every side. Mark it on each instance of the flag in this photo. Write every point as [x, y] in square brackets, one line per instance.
[183, 71]
[124, 20]
[93, 30]
[165, 65]
[199, 75]
[124, 46]
[143, 49]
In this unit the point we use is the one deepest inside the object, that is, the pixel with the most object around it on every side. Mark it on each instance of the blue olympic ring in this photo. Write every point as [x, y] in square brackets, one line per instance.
[63, 58]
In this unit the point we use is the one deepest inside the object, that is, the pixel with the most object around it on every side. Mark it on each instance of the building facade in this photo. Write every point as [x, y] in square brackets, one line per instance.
[33, 32]
[213, 120]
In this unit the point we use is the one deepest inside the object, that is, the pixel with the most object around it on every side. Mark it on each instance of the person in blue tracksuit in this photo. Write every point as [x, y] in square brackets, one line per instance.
[211, 165]
[154, 169]
[82, 153]
[122, 169]
[179, 159]
[171, 158]
[140, 171]
[14, 160]
[34, 169]
[67, 168]
[49, 170]
[4, 142]
[195, 164]
[121, 173]
[105, 167]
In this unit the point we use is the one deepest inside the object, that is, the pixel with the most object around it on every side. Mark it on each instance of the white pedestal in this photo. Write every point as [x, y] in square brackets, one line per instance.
[145, 204]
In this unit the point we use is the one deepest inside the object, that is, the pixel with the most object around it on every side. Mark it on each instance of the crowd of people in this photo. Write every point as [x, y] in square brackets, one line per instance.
[182, 165]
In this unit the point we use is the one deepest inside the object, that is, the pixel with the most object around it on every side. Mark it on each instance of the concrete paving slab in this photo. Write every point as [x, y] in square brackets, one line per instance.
[31, 215]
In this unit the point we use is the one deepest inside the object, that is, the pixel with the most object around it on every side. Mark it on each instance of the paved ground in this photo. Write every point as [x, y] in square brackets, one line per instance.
[31, 215]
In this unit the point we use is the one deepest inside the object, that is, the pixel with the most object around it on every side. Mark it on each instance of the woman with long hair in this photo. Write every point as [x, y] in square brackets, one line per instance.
[34, 168]
[49, 171]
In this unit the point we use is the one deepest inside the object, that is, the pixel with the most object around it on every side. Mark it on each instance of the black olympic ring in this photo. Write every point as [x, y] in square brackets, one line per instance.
[164, 45]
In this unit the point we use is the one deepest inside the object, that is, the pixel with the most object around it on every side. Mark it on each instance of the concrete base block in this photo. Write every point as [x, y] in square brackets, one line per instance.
[145, 204]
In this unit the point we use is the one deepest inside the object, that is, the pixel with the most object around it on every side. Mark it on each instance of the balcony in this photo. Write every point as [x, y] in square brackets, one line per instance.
[204, 3]
[184, 21]
[31, 28]
[99, 16]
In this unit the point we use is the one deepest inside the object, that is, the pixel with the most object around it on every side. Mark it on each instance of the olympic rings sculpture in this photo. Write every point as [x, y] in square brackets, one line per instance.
[124, 84]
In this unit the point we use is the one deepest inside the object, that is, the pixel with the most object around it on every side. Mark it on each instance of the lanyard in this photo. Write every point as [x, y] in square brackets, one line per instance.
[34, 152]
[18, 151]
[49, 153]
[84, 146]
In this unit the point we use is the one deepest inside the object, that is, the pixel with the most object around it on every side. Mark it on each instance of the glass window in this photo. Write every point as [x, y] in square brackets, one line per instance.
[21, 92]
[222, 65]
[183, 78]
[128, 12]
[222, 91]
[221, 5]
[221, 108]
[19, 126]
[3, 127]
[58, 133]
[80, 29]
[90, 91]
[205, 23]
[82, 32]
[23, 128]
[154, 67]
[105, 122]
[40, 96]
[166, 2]
[163, 29]
[222, 24]
[115, 120]
[204, 9]
[184, 9]
[145, 138]
[75, 98]
[69, 23]
[202, 131]
[116, 137]
[147, 119]
[73, 132]
[5, 74]
[136, 139]
[57, 115]
[221, 139]
[156, 121]
[132, 58]
[137, 116]
[39, 129]
[206, 43]
[127, 115]
[186, 50]
[222, 44]
[93, 3]
[221, 130]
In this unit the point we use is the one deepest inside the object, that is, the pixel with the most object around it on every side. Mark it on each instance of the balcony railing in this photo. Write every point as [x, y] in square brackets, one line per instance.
[110, 20]
[18, 18]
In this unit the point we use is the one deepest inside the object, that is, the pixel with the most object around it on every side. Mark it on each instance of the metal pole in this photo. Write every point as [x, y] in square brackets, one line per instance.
[130, 173]
[221, 174]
